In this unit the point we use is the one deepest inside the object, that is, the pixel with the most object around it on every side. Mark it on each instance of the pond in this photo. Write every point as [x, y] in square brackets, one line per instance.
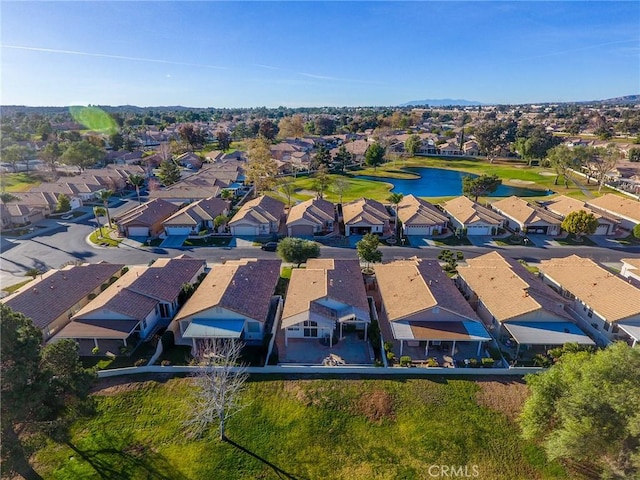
[438, 182]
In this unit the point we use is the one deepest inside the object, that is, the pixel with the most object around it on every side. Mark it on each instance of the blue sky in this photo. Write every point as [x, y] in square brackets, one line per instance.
[242, 54]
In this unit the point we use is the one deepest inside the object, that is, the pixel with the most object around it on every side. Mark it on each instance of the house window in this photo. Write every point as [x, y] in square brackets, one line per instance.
[615, 328]
[164, 310]
[606, 326]
[590, 313]
[294, 329]
[310, 329]
[144, 324]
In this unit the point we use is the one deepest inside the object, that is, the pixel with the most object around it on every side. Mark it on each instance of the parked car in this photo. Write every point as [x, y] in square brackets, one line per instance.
[269, 246]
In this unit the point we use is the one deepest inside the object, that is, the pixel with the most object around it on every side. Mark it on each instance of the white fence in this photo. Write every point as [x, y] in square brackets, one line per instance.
[331, 371]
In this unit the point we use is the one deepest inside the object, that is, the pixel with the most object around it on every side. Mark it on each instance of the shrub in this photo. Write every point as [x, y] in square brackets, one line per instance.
[388, 346]
[473, 363]
[494, 353]
[391, 356]
[91, 296]
[124, 270]
[95, 350]
[167, 340]
[432, 362]
[405, 361]
[124, 350]
[378, 363]
[165, 363]
[141, 362]
[488, 362]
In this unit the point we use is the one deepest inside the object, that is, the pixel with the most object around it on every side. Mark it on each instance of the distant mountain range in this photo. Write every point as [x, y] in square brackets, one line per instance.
[442, 102]
[447, 102]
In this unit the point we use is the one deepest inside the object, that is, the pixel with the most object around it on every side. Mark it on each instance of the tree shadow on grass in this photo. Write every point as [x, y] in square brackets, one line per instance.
[280, 473]
[121, 457]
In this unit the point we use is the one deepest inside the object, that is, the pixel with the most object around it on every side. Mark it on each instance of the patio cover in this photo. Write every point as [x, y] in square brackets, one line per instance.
[632, 330]
[201, 328]
[465, 331]
[105, 329]
[547, 333]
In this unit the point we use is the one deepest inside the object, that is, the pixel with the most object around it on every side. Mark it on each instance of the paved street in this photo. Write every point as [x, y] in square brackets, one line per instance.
[66, 242]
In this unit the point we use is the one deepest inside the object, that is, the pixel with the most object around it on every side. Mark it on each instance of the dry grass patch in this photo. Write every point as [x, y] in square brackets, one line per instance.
[376, 406]
[506, 397]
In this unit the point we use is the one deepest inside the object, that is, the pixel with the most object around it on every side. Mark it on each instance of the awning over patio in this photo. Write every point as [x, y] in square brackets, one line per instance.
[547, 333]
[202, 328]
[464, 331]
[632, 330]
[101, 329]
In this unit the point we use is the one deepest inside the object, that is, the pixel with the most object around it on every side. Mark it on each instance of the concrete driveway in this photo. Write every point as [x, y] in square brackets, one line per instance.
[481, 240]
[174, 241]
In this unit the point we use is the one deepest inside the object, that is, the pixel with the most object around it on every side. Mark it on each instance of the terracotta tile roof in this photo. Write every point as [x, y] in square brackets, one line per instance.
[338, 280]
[109, 329]
[316, 210]
[260, 210]
[563, 205]
[609, 295]
[243, 286]
[202, 210]
[164, 279]
[507, 289]
[468, 212]
[57, 291]
[523, 212]
[365, 210]
[408, 287]
[621, 206]
[148, 213]
[185, 192]
[415, 211]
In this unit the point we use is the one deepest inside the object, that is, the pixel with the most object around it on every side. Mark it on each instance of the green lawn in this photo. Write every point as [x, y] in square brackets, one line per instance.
[15, 287]
[310, 429]
[19, 182]
[452, 241]
[105, 239]
[571, 240]
[357, 188]
[207, 242]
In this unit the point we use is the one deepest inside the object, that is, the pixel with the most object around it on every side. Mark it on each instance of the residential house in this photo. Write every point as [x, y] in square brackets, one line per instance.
[181, 193]
[323, 298]
[18, 215]
[626, 209]
[260, 216]
[450, 148]
[607, 305]
[563, 206]
[419, 217]
[471, 217]
[233, 301]
[470, 148]
[145, 220]
[365, 216]
[134, 307]
[196, 217]
[190, 160]
[515, 304]
[523, 216]
[422, 308]
[55, 296]
[310, 217]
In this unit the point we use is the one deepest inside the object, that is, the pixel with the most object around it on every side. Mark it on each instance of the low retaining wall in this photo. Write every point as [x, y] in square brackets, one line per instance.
[332, 371]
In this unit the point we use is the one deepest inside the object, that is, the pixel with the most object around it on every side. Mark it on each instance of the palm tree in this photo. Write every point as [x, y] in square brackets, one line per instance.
[98, 212]
[137, 181]
[105, 195]
[395, 199]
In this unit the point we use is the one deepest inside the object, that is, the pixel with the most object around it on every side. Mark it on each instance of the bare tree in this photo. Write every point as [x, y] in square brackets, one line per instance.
[218, 386]
[288, 188]
[340, 186]
[602, 162]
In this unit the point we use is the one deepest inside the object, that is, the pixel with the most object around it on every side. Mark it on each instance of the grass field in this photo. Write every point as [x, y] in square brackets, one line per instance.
[106, 239]
[515, 173]
[308, 429]
[15, 287]
[18, 182]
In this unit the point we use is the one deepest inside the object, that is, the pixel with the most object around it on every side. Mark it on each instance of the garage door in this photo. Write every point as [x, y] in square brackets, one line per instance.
[413, 230]
[248, 231]
[138, 231]
[178, 230]
[305, 230]
[478, 230]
